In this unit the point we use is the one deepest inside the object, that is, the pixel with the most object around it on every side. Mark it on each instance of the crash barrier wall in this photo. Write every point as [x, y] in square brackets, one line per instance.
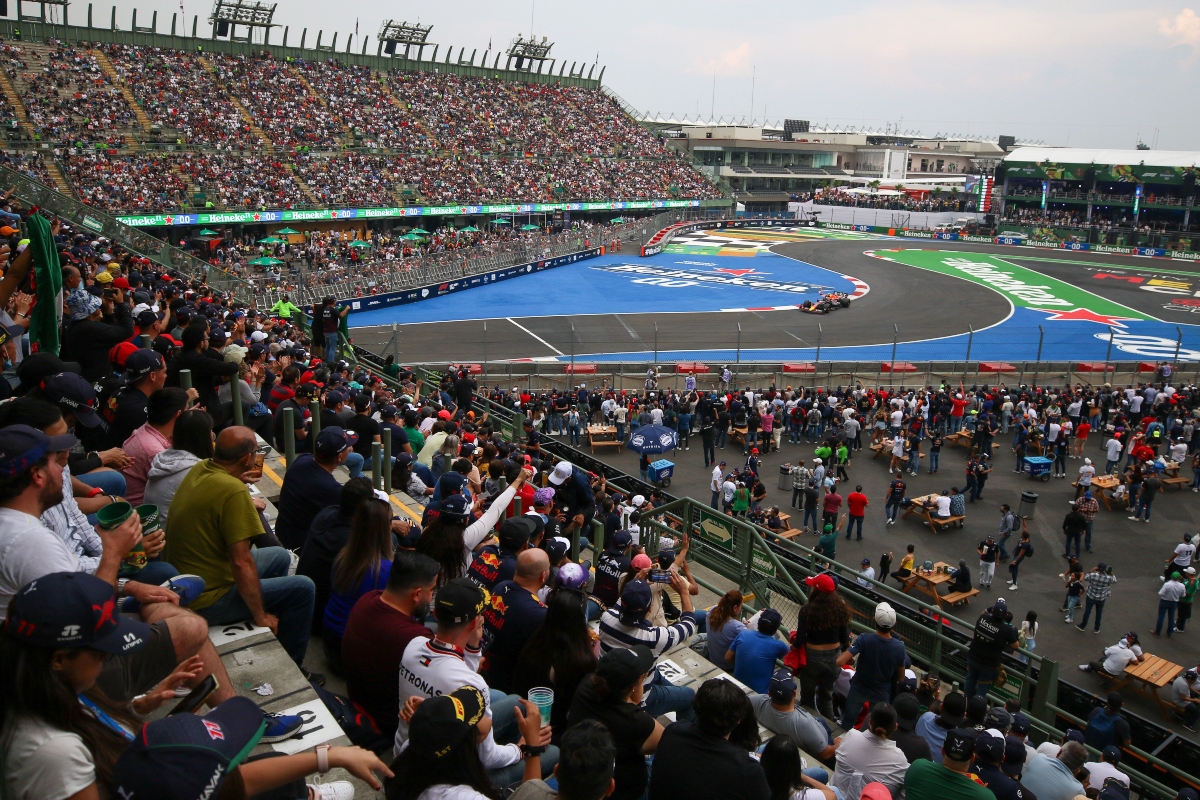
[773, 569]
[888, 217]
[826, 376]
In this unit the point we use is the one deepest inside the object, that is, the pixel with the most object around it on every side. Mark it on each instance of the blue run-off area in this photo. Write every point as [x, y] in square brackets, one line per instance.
[627, 284]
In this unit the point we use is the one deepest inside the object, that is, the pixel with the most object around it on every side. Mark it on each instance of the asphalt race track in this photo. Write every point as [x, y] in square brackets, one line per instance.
[531, 317]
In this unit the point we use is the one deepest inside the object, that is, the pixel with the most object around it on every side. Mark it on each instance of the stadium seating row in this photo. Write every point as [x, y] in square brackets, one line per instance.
[447, 138]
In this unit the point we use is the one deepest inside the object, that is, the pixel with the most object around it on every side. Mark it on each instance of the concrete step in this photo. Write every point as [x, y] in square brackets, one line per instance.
[108, 69]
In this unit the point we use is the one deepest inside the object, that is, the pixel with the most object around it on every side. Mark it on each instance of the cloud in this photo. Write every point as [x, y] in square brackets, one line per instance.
[734, 61]
[1184, 29]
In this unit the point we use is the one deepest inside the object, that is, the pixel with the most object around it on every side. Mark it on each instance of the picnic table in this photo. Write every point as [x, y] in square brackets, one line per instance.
[1103, 483]
[927, 582]
[1171, 477]
[603, 436]
[738, 435]
[1148, 677]
[927, 514]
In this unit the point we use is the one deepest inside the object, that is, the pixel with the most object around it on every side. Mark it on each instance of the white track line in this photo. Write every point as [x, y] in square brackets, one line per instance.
[534, 335]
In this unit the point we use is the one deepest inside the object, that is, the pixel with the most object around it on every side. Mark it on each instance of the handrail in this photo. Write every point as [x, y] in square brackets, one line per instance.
[90, 218]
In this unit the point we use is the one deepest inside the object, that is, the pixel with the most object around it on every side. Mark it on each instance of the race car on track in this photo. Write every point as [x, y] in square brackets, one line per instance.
[829, 301]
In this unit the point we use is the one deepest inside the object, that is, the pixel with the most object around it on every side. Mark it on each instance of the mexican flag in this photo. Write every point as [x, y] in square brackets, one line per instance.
[46, 315]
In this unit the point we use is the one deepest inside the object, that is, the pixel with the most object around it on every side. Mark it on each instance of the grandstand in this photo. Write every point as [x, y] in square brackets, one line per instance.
[132, 127]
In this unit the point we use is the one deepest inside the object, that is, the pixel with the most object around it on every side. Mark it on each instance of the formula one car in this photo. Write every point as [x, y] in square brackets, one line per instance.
[828, 302]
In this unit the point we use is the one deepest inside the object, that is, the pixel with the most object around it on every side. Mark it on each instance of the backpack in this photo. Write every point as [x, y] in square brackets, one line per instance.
[360, 727]
[1099, 732]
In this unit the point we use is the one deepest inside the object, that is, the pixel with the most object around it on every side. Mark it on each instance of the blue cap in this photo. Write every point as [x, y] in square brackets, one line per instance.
[635, 600]
[620, 540]
[142, 362]
[334, 397]
[187, 756]
[72, 609]
[22, 446]
[74, 392]
[455, 506]
[333, 440]
[990, 747]
[783, 686]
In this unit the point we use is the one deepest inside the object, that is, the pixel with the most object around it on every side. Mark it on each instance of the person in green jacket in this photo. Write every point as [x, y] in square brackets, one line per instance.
[741, 500]
[825, 453]
[827, 544]
[284, 308]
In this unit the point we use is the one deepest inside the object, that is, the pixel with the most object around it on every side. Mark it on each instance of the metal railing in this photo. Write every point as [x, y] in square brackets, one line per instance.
[773, 569]
[143, 244]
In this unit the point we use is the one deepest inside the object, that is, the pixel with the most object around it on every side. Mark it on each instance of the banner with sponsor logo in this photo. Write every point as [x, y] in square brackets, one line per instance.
[337, 214]
[416, 294]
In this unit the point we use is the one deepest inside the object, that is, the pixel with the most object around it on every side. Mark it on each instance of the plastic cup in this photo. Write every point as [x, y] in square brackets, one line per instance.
[149, 516]
[112, 515]
[543, 698]
[259, 459]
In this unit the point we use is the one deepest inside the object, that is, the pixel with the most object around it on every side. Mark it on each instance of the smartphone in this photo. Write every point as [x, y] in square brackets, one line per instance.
[196, 697]
[660, 576]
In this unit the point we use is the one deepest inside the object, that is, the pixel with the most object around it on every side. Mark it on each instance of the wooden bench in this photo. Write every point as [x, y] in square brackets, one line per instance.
[937, 522]
[738, 435]
[954, 598]
[1175, 480]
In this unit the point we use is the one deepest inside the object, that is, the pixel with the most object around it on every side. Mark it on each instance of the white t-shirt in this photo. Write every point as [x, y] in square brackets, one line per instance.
[1184, 553]
[1100, 771]
[716, 479]
[1114, 447]
[430, 668]
[943, 505]
[1117, 657]
[45, 763]
[28, 550]
[1085, 474]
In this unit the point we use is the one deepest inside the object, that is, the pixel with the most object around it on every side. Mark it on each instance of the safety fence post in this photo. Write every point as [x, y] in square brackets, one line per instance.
[377, 465]
[316, 420]
[289, 436]
[386, 435]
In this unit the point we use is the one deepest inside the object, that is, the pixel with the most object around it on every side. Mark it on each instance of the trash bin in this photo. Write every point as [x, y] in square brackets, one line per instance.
[785, 476]
[1028, 503]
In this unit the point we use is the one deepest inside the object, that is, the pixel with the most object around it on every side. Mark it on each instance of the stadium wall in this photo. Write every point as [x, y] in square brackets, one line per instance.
[416, 294]
[14, 31]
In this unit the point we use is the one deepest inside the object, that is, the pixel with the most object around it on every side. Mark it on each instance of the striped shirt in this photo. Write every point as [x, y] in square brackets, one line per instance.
[1099, 585]
[71, 526]
[614, 634]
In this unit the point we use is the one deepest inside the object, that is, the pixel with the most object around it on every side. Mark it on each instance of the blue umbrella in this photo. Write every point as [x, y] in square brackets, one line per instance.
[653, 439]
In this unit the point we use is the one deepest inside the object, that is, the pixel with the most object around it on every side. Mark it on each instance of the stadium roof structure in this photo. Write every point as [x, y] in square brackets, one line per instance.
[1080, 155]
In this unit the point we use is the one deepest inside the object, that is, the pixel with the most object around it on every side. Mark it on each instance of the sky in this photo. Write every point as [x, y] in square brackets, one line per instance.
[1104, 74]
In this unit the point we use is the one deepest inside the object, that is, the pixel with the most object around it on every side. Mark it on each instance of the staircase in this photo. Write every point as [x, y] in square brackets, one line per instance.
[138, 112]
[245, 115]
[301, 184]
[396, 101]
[56, 174]
[308, 86]
[14, 100]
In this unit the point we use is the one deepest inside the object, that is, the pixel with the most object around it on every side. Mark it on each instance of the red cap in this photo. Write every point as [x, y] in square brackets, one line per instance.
[443, 414]
[120, 352]
[822, 583]
[121, 283]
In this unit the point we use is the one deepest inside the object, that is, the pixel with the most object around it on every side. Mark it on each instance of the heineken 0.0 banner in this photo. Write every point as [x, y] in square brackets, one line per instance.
[335, 214]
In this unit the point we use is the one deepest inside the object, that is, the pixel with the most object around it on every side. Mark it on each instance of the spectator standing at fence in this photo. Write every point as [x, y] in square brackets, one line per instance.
[879, 663]
[993, 637]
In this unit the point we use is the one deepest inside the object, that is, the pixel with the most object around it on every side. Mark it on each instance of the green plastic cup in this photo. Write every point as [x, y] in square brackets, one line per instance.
[543, 698]
[149, 516]
[112, 515]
